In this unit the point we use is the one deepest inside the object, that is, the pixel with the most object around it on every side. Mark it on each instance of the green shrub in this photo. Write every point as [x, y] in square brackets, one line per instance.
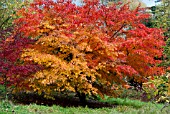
[158, 88]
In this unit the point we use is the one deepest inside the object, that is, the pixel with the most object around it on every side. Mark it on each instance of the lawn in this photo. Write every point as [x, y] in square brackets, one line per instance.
[124, 106]
[107, 105]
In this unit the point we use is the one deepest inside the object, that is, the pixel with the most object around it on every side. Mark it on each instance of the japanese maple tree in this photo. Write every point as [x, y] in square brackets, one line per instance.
[13, 71]
[89, 49]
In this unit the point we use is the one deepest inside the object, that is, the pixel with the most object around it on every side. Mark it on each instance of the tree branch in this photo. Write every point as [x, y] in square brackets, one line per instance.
[123, 25]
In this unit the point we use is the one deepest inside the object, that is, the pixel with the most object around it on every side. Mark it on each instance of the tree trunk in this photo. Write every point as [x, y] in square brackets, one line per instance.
[82, 98]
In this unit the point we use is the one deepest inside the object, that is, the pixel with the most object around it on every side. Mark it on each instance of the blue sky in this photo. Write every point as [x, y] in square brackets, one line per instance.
[149, 2]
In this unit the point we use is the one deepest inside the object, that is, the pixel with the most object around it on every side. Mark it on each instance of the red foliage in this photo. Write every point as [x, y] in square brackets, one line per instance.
[125, 48]
[13, 70]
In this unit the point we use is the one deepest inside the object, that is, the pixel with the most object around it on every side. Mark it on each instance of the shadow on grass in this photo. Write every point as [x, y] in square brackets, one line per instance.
[61, 100]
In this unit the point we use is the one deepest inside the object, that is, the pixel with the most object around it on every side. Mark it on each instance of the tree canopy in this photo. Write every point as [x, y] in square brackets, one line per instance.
[90, 49]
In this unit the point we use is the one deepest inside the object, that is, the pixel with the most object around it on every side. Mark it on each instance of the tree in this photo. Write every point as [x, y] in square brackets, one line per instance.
[133, 4]
[10, 46]
[161, 15]
[7, 11]
[161, 19]
[13, 71]
[90, 49]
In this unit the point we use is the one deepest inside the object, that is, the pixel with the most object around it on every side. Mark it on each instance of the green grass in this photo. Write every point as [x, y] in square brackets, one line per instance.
[124, 107]
[124, 102]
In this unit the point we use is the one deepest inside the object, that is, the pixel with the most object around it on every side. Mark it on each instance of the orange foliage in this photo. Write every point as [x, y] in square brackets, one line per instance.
[88, 48]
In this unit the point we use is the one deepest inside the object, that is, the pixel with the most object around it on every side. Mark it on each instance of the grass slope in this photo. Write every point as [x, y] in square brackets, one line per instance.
[125, 106]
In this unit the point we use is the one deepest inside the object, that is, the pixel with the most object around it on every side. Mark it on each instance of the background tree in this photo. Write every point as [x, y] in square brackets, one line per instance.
[7, 11]
[11, 46]
[11, 66]
[133, 4]
[161, 19]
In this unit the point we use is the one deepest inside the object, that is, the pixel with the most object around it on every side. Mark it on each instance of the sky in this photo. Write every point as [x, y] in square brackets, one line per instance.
[149, 3]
